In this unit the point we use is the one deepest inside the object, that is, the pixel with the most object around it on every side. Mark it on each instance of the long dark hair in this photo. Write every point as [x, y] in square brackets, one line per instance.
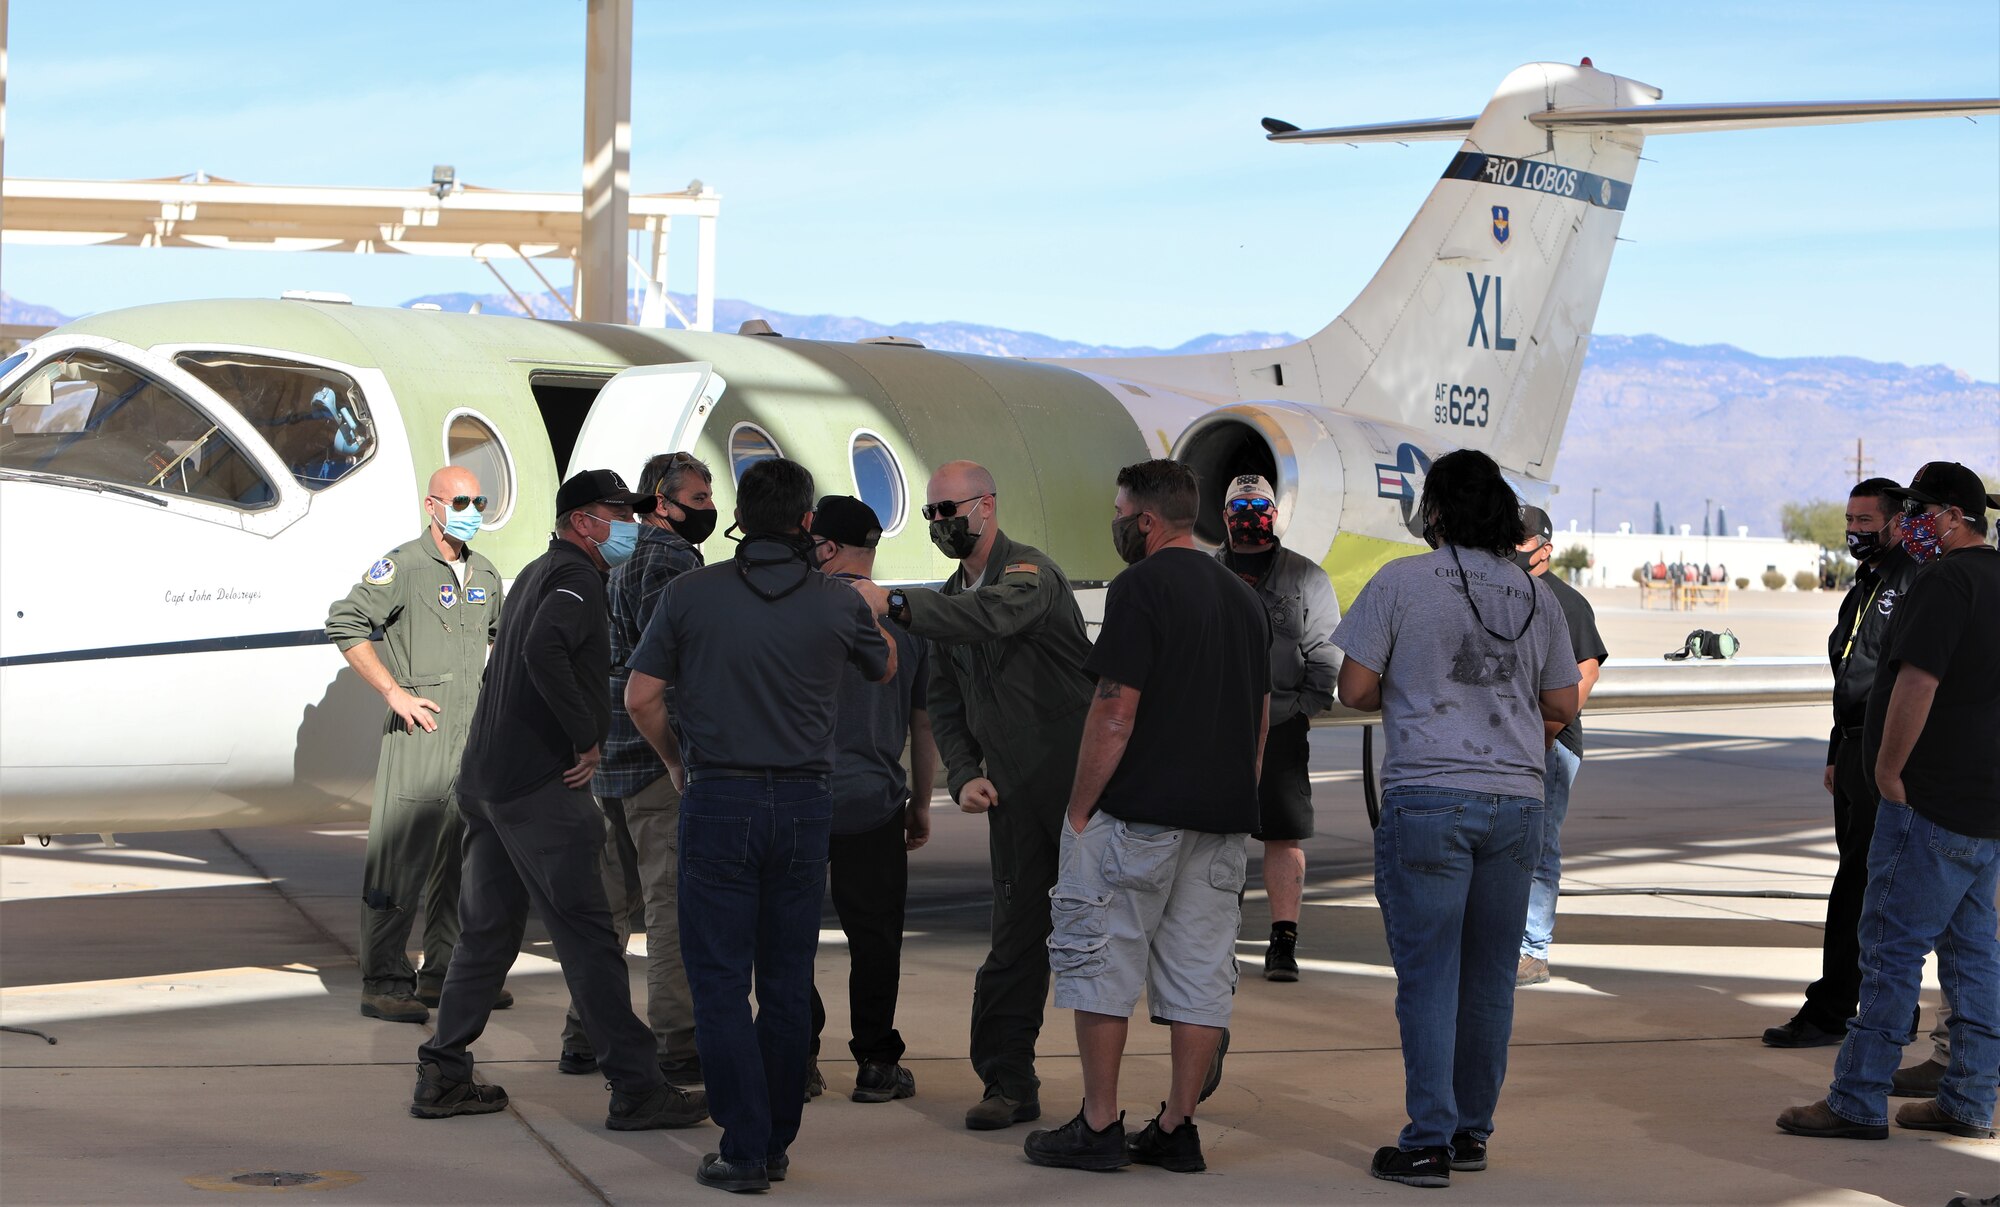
[1470, 505]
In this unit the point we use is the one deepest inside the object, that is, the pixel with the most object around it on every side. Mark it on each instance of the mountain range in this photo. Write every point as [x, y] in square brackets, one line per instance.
[1653, 422]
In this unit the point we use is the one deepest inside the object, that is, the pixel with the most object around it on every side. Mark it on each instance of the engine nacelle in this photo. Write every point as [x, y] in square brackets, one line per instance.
[1291, 446]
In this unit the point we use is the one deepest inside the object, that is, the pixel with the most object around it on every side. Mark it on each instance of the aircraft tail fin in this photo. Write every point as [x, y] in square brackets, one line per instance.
[1476, 325]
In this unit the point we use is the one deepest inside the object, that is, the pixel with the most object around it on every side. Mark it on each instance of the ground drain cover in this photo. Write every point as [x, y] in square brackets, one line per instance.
[274, 1181]
[273, 1177]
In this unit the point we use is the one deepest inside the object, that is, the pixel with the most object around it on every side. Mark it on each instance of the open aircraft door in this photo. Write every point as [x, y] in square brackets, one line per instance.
[646, 410]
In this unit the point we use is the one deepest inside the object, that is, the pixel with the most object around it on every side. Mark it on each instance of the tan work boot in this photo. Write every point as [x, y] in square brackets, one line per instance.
[1531, 971]
[1930, 1117]
[996, 1111]
[399, 1007]
[1917, 1081]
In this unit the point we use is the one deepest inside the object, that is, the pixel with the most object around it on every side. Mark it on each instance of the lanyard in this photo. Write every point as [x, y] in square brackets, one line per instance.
[1858, 615]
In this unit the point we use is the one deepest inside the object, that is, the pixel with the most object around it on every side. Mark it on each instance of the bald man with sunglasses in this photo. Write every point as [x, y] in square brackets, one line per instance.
[436, 603]
[1008, 695]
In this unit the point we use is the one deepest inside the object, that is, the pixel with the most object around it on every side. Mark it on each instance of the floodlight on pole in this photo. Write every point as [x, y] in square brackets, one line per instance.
[444, 178]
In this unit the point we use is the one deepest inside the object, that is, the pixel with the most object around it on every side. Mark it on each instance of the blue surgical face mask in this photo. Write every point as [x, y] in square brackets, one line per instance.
[461, 525]
[617, 548]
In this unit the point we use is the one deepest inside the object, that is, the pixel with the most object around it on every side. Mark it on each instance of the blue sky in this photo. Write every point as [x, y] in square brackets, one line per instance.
[1089, 171]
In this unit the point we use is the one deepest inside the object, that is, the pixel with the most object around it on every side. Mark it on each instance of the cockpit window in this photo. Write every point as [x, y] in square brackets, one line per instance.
[314, 418]
[87, 416]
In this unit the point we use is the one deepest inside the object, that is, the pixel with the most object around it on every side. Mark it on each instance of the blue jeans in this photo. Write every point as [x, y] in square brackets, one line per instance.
[752, 874]
[1451, 873]
[1929, 888]
[1557, 776]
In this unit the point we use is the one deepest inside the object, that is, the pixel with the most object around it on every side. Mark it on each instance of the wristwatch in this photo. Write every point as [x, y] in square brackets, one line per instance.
[899, 606]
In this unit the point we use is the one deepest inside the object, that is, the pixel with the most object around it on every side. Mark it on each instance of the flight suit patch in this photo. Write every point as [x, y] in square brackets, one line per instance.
[1022, 568]
[474, 595]
[381, 574]
[447, 595]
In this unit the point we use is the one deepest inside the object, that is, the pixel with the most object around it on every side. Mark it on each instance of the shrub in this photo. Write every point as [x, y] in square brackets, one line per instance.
[1742, 584]
[1805, 580]
[1773, 581]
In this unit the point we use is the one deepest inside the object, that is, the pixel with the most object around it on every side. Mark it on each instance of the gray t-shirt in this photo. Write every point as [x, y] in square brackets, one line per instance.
[873, 724]
[754, 679]
[1459, 706]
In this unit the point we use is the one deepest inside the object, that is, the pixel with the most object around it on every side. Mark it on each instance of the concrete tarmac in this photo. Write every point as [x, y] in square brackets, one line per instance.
[203, 990]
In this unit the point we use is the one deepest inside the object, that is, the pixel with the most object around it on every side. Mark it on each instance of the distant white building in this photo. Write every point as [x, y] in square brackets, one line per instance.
[1616, 554]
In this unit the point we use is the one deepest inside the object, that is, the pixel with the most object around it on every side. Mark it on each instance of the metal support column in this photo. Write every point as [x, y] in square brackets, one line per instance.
[607, 155]
[704, 275]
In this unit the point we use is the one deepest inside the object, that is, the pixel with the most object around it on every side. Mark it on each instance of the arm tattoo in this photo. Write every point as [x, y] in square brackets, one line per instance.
[1109, 689]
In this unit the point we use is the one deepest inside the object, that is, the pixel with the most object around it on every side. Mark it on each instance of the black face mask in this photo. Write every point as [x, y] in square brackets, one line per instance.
[696, 527]
[1128, 540]
[1525, 561]
[954, 537]
[1430, 534]
[789, 547]
[1864, 546]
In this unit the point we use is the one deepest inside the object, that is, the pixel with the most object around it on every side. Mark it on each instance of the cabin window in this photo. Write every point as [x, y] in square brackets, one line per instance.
[314, 419]
[87, 416]
[749, 444]
[878, 480]
[471, 443]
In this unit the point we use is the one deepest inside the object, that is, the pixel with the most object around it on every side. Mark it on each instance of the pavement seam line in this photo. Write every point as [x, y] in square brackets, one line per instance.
[555, 1154]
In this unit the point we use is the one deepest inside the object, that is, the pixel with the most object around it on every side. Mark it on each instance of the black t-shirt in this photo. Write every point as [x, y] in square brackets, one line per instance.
[1949, 625]
[1193, 640]
[1584, 640]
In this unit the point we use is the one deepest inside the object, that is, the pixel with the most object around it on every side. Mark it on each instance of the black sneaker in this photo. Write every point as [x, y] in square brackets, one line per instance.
[815, 1081]
[1178, 1151]
[668, 1106]
[1413, 1166]
[1468, 1153]
[436, 1098]
[682, 1073]
[1799, 1033]
[1281, 958]
[739, 1177]
[1075, 1146]
[1214, 1078]
[576, 1063]
[882, 1081]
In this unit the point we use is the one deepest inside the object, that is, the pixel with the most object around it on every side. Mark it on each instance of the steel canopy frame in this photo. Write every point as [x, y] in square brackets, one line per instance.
[485, 224]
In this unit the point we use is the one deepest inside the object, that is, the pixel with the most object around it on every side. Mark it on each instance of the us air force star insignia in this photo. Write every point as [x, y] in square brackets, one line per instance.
[382, 573]
[447, 594]
[475, 595]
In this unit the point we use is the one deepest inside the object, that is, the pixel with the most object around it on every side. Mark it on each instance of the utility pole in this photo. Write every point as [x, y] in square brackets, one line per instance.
[600, 291]
[1860, 462]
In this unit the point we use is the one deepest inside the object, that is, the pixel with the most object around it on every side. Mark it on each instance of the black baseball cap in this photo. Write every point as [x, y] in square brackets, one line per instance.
[600, 486]
[1945, 484]
[848, 520]
[1536, 522]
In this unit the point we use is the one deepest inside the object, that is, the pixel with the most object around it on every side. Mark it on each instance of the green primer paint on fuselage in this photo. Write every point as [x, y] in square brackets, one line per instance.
[1053, 439]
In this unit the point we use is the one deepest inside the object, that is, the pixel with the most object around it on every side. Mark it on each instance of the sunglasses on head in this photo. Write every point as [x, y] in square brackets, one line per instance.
[948, 508]
[459, 502]
[1260, 506]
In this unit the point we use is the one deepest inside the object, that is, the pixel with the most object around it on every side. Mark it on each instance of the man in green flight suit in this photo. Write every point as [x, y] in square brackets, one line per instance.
[437, 606]
[1008, 696]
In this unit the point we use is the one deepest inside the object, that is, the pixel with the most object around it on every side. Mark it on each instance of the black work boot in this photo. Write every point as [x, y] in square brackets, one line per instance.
[437, 1098]
[883, 1081]
[1281, 958]
[668, 1106]
[1178, 1151]
[1075, 1145]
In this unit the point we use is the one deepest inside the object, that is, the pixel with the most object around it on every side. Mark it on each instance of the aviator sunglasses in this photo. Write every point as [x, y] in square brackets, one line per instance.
[1260, 506]
[1912, 508]
[459, 502]
[947, 509]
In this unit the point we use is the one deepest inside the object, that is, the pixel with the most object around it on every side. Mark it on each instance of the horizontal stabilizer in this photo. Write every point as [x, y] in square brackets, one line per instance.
[1657, 119]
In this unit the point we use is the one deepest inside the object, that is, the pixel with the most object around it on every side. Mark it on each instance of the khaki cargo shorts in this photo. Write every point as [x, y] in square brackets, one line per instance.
[1142, 906]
